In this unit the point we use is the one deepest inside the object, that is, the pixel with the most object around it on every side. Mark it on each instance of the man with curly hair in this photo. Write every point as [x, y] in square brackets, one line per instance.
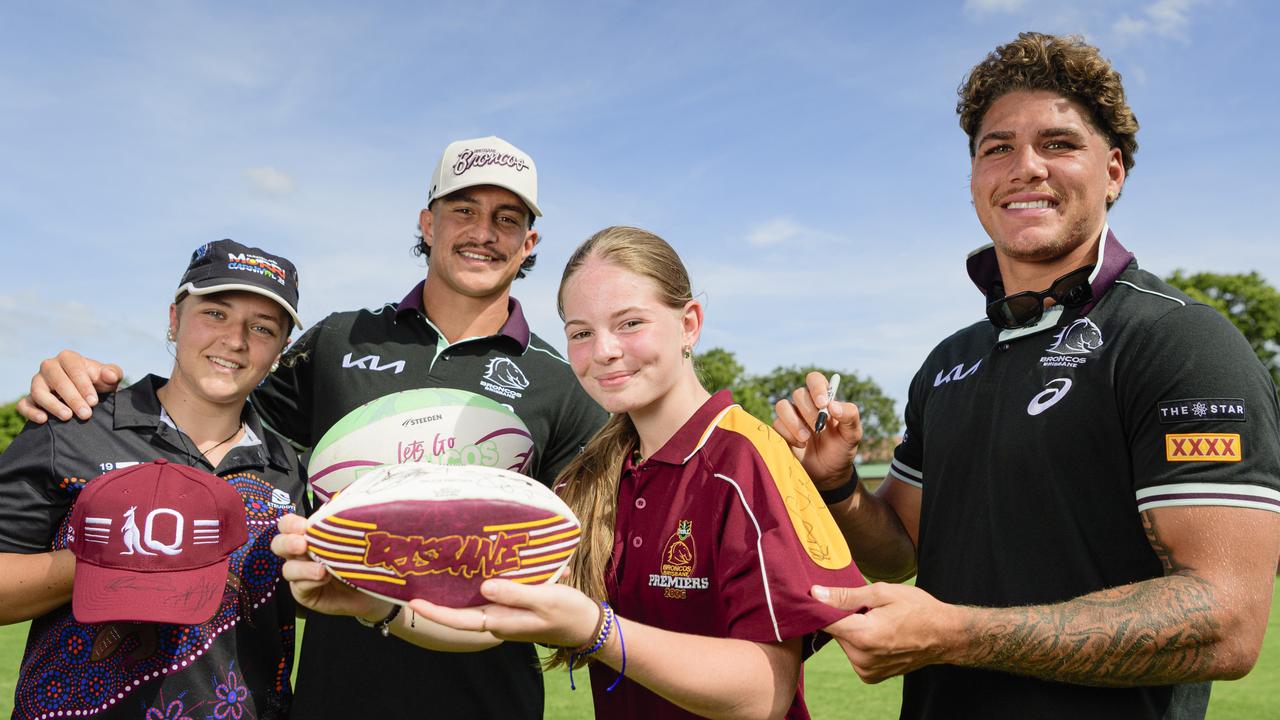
[1089, 484]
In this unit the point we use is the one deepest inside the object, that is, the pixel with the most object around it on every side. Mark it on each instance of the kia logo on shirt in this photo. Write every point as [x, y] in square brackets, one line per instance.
[1053, 391]
[956, 374]
[371, 362]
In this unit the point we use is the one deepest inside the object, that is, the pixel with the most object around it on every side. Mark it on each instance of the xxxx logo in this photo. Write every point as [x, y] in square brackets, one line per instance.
[1206, 447]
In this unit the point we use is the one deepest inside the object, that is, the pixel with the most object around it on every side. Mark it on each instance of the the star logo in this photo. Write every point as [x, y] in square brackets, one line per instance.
[1200, 409]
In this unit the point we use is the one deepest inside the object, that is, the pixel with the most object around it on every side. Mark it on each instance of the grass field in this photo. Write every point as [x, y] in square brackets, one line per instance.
[833, 691]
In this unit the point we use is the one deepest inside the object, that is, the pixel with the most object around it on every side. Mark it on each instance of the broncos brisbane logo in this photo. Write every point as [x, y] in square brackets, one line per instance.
[505, 372]
[1079, 338]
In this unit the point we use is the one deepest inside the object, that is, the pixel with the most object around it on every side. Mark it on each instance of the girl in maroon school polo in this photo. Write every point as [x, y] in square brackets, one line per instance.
[720, 533]
[702, 536]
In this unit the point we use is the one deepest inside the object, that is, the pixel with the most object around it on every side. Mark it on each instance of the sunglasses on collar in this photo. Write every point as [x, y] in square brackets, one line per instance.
[1026, 308]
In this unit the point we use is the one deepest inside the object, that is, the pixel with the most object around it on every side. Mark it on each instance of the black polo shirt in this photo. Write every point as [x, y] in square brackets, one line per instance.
[1037, 448]
[350, 358]
[238, 663]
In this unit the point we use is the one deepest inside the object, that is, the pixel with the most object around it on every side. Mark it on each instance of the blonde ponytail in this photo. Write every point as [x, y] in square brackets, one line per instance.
[589, 483]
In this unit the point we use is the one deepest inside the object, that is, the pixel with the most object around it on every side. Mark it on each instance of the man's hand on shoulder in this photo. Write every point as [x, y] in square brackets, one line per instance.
[68, 384]
[895, 629]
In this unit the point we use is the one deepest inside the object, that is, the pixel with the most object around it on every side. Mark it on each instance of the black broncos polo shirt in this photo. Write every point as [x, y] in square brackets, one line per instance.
[1037, 448]
[349, 358]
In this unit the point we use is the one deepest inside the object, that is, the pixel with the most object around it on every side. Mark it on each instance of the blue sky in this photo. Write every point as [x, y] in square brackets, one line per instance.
[804, 158]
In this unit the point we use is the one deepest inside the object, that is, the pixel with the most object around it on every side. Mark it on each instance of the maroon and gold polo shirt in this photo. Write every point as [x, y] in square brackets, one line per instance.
[720, 533]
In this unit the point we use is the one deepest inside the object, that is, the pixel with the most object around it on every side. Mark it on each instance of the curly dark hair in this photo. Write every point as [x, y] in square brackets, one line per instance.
[1066, 65]
[422, 249]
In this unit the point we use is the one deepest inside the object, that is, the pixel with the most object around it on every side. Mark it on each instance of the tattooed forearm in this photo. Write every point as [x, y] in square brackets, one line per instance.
[1154, 632]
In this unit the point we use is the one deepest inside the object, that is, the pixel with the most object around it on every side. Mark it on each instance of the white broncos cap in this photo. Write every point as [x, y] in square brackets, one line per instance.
[486, 161]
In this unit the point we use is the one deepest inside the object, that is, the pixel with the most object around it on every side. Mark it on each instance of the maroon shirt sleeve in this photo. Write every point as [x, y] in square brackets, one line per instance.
[777, 540]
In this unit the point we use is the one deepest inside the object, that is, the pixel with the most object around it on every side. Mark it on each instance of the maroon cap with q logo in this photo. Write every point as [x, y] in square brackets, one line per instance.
[151, 543]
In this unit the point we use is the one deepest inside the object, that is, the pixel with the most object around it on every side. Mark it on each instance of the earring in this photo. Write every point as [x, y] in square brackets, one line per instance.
[687, 352]
[1110, 198]
[170, 336]
[275, 364]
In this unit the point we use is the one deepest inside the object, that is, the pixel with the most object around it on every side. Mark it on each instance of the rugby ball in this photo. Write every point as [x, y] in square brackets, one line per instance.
[434, 425]
[436, 532]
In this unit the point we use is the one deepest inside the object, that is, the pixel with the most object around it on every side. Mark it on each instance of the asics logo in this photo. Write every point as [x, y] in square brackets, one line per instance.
[1053, 391]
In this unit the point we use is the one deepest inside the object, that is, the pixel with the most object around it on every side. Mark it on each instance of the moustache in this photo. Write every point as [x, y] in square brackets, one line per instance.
[483, 250]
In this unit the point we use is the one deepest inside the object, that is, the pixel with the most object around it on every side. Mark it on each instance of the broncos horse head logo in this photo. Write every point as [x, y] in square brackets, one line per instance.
[506, 373]
[1078, 338]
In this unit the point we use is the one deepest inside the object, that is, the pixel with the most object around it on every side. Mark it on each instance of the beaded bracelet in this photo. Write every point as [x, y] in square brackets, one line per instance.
[601, 637]
[608, 620]
[601, 634]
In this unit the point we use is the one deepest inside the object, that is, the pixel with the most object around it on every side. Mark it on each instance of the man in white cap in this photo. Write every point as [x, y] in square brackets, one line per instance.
[459, 328]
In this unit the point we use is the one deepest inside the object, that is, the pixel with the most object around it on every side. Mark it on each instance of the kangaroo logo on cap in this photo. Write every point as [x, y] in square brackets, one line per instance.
[133, 540]
[131, 534]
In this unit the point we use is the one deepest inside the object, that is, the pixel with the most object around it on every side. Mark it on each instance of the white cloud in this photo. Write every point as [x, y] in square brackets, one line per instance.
[1128, 27]
[1162, 18]
[783, 230]
[985, 7]
[1169, 17]
[269, 180]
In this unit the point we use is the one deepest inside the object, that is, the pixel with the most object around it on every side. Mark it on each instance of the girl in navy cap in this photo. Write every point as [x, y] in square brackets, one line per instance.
[702, 534]
[231, 318]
